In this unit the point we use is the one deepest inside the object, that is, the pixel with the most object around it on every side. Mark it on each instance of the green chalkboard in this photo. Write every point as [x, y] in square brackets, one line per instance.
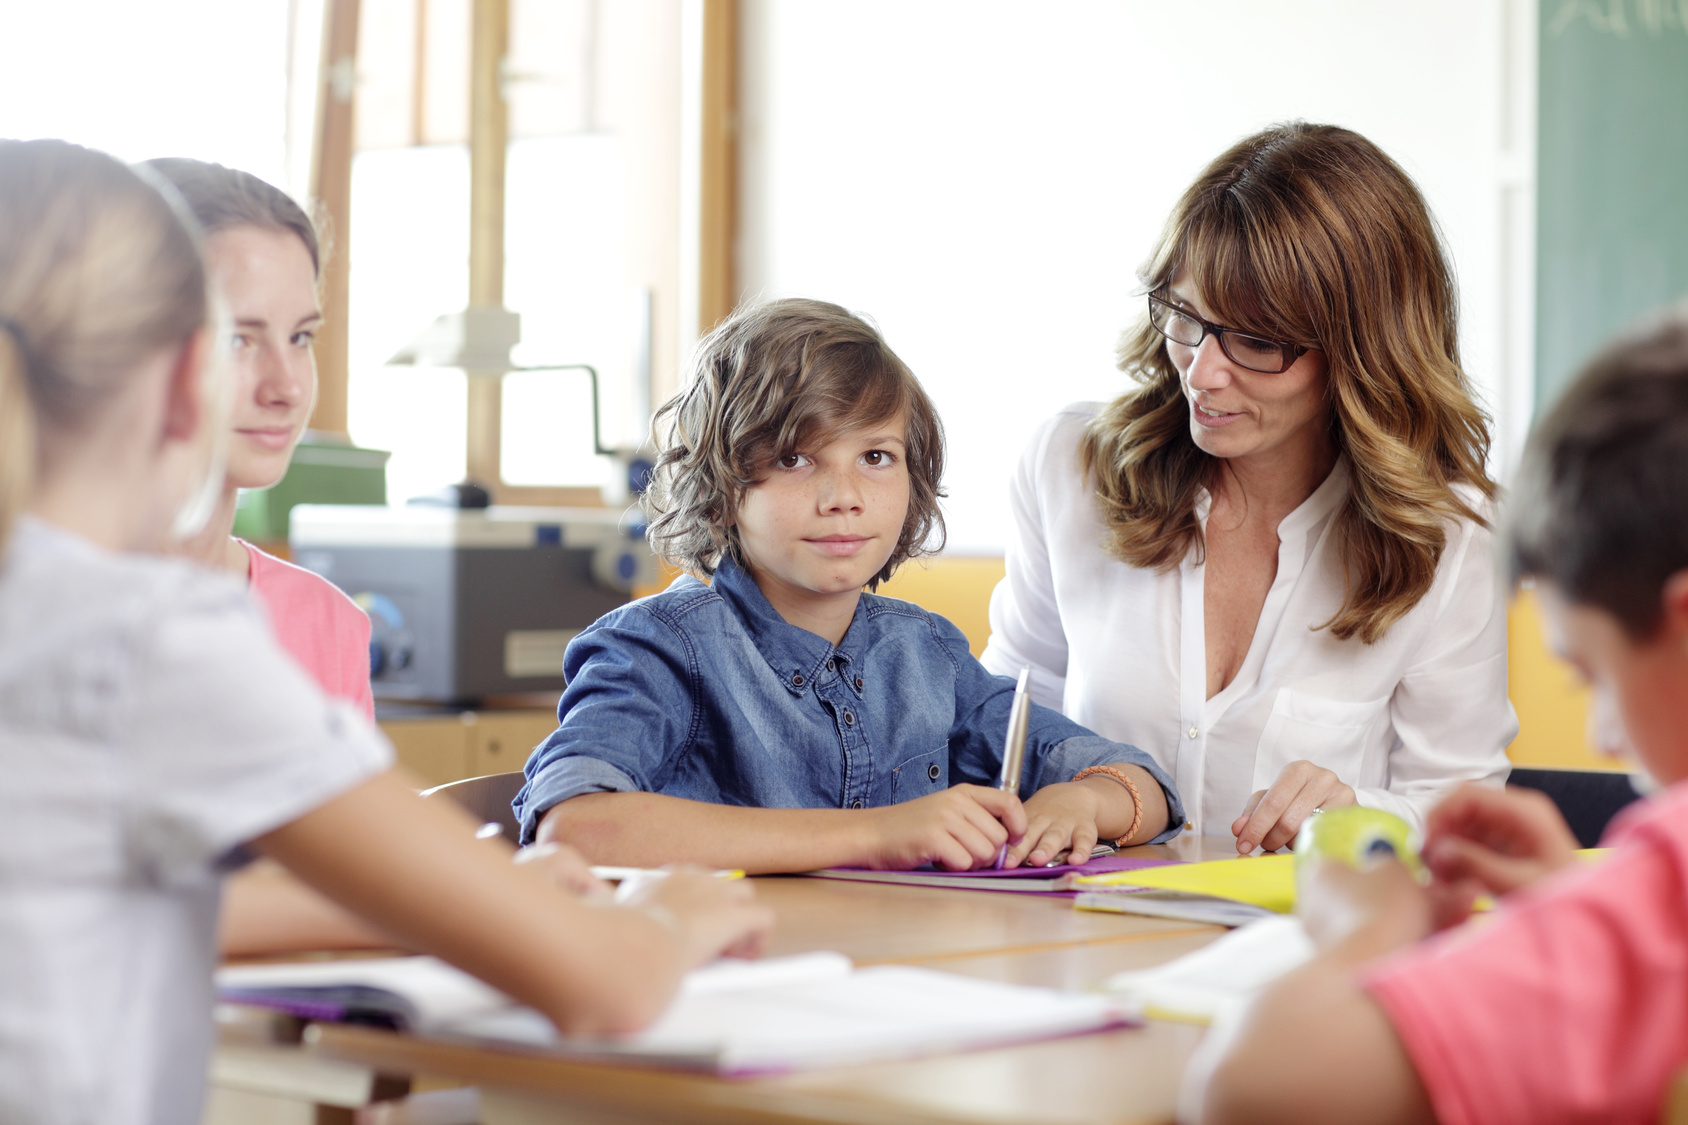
[1612, 183]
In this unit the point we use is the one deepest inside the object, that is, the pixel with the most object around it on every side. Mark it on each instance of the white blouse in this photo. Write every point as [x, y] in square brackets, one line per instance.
[1121, 649]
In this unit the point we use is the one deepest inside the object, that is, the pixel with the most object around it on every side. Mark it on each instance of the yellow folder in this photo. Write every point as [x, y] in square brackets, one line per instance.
[1267, 881]
[1263, 880]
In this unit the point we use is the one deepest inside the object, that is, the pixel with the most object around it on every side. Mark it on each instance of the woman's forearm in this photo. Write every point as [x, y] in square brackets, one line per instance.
[650, 829]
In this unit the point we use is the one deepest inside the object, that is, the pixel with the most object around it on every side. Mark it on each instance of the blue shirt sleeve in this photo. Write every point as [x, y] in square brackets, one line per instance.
[1056, 747]
[629, 708]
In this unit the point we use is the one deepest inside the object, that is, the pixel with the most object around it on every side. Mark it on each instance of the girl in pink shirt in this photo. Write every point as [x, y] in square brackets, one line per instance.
[263, 250]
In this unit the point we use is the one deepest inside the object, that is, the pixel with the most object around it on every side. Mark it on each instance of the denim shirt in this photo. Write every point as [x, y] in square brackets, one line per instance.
[705, 692]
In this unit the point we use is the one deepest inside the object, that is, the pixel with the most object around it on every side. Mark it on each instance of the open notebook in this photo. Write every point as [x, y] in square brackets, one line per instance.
[736, 1018]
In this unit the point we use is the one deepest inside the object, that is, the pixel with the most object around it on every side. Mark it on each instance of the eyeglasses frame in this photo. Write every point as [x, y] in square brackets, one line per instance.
[1219, 331]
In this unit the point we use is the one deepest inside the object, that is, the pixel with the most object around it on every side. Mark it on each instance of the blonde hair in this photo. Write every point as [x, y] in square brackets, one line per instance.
[97, 271]
[1309, 233]
[768, 379]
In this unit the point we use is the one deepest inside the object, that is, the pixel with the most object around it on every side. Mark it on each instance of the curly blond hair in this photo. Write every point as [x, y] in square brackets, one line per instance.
[770, 378]
[1309, 233]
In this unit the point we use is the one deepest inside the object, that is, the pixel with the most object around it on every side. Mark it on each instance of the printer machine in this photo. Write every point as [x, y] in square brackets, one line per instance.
[469, 603]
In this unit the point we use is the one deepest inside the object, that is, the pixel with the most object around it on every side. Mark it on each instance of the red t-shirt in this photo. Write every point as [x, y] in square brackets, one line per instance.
[317, 625]
[1572, 1004]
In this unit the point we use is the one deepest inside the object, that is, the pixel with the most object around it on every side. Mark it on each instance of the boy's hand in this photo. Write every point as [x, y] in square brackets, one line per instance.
[1061, 818]
[959, 829]
[1379, 908]
[1496, 841]
[712, 917]
[1273, 816]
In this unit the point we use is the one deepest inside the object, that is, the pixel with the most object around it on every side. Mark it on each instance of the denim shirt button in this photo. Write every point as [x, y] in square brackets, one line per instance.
[849, 718]
[856, 804]
[831, 665]
[797, 679]
[858, 683]
[932, 771]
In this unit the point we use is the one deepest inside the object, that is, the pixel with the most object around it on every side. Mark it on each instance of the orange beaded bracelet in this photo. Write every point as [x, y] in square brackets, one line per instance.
[1124, 779]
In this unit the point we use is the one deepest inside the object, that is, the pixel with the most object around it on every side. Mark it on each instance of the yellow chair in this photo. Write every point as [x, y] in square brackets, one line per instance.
[1675, 1109]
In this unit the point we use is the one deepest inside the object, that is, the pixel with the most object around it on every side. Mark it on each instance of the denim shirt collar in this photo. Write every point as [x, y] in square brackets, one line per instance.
[798, 657]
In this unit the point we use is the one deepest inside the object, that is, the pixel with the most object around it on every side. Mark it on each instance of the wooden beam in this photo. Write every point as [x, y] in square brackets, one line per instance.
[717, 290]
[489, 138]
[331, 187]
[419, 78]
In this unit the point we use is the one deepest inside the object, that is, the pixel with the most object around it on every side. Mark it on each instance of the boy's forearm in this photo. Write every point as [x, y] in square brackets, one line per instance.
[1316, 1048]
[379, 850]
[265, 910]
[650, 829]
[1116, 811]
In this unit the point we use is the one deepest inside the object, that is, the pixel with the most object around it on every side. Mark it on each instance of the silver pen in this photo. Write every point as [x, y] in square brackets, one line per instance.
[1014, 746]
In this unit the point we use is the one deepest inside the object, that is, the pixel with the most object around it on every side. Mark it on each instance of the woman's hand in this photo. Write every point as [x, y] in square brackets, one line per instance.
[1273, 816]
[1496, 841]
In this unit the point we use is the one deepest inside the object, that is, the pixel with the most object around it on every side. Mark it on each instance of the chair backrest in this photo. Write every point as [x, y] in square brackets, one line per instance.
[1675, 1108]
[486, 797]
[1588, 799]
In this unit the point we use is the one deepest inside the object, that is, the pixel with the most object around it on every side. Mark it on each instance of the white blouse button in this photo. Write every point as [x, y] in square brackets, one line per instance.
[1193, 730]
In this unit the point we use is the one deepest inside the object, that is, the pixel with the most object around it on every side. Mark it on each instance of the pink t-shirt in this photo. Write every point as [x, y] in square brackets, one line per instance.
[1572, 1004]
[318, 625]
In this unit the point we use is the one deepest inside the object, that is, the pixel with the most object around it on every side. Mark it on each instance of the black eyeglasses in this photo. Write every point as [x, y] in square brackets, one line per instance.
[1256, 353]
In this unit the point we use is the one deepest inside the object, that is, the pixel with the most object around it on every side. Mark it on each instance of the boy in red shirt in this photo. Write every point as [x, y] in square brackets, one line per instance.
[1572, 1003]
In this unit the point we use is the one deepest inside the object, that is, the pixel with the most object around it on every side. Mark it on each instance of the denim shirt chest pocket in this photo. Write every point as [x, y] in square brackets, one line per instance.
[920, 775]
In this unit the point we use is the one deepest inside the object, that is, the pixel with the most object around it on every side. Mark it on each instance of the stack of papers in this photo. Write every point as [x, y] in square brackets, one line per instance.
[735, 1017]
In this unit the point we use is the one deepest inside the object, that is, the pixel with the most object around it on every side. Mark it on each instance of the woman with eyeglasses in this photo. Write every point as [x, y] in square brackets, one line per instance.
[1268, 563]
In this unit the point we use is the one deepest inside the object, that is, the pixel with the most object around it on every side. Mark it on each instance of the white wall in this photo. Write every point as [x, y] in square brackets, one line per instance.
[200, 78]
[983, 177]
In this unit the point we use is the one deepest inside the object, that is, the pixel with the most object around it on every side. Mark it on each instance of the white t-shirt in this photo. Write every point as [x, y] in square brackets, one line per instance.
[1122, 650]
[148, 725]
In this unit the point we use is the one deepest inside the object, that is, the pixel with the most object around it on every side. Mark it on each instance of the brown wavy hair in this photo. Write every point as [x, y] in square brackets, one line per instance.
[1309, 233]
[768, 380]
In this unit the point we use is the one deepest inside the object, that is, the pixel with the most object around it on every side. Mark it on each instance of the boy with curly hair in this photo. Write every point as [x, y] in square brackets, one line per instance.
[778, 718]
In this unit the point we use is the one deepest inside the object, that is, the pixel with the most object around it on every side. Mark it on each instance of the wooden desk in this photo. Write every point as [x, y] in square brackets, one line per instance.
[1118, 1077]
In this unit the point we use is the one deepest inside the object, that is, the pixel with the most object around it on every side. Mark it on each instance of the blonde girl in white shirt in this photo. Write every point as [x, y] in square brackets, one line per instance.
[149, 725]
[1269, 563]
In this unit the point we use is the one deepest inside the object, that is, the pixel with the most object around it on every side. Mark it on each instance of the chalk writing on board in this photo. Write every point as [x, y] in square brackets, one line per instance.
[1621, 18]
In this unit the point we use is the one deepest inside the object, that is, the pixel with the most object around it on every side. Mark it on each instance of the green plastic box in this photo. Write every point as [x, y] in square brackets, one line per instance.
[318, 474]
